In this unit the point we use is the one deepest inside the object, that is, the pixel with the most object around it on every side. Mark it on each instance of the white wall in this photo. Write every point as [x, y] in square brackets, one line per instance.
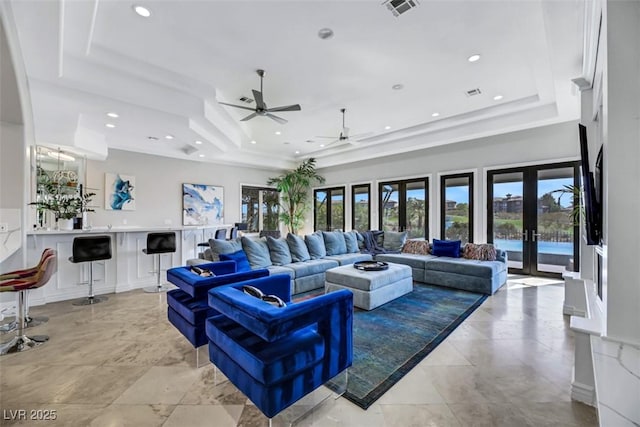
[158, 187]
[547, 144]
[12, 161]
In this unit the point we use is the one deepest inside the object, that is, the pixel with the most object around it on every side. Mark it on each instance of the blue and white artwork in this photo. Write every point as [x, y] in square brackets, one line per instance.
[119, 192]
[202, 204]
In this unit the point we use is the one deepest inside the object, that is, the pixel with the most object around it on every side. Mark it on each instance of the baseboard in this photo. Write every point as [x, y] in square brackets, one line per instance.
[570, 310]
[583, 393]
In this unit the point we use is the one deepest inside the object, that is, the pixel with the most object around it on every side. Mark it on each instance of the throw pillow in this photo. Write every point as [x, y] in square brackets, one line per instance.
[394, 240]
[418, 247]
[279, 250]
[257, 252]
[351, 240]
[297, 248]
[334, 242]
[242, 263]
[450, 248]
[482, 252]
[223, 247]
[315, 244]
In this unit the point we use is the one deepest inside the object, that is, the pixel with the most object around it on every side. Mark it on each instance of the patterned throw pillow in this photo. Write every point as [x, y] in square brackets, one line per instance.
[418, 247]
[481, 252]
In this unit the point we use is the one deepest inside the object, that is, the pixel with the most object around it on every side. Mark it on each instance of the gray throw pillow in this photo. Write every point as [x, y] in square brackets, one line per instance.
[394, 240]
[223, 247]
[257, 252]
[279, 251]
[352, 242]
[315, 244]
[334, 242]
[298, 248]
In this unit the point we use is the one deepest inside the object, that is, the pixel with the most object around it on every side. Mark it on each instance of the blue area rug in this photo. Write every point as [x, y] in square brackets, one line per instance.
[392, 339]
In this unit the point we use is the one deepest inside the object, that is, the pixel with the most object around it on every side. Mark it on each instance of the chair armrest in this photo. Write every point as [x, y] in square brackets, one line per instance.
[272, 323]
[197, 286]
[278, 284]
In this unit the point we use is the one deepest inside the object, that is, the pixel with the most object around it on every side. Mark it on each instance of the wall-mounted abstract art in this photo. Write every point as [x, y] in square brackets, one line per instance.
[119, 192]
[202, 204]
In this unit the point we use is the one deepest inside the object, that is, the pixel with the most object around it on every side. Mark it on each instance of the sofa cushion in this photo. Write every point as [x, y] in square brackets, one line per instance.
[482, 252]
[448, 248]
[223, 247]
[240, 258]
[297, 248]
[279, 251]
[280, 269]
[412, 260]
[267, 364]
[418, 247]
[314, 266]
[315, 244]
[345, 259]
[334, 242]
[257, 252]
[351, 240]
[394, 240]
[469, 267]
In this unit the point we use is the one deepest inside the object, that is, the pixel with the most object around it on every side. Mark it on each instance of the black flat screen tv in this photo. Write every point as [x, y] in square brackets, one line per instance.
[591, 201]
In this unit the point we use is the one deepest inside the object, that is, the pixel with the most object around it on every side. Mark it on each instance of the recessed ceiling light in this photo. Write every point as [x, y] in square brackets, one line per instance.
[473, 58]
[278, 132]
[387, 127]
[397, 86]
[110, 125]
[253, 141]
[435, 114]
[200, 155]
[113, 115]
[198, 142]
[142, 11]
[497, 97]
[168, 136]
[325, 33]
[297, 151]
[286, 143]
[322, 145]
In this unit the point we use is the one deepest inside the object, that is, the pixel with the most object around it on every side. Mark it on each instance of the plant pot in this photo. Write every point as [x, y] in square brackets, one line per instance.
[65, 224]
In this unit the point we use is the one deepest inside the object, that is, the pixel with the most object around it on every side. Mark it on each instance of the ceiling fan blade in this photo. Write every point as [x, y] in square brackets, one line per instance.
[238, 106]
[257, 95]
[295, 107]
[249, 117]
[276, 118]
[329, 137]
[361, 135]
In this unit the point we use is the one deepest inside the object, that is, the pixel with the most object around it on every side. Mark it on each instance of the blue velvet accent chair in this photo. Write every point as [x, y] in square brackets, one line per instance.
[277, 355]
[187, 306]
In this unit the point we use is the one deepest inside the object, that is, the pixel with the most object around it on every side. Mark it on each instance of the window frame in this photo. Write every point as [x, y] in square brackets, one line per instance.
[443, 201]
[329, 191]
[353, 205]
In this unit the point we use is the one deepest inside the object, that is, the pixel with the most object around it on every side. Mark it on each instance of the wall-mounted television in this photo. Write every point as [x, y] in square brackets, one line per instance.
[591, 200]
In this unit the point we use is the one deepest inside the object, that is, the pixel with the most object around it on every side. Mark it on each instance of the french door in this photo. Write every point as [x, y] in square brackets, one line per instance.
[403, 206]
[530, 217]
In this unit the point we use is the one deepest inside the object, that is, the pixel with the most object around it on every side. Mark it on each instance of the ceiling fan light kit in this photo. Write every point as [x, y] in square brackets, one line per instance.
[261, 108]
[344, 133]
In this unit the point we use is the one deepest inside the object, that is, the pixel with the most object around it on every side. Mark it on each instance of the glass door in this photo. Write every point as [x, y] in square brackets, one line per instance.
[530, 213]
[404, 206]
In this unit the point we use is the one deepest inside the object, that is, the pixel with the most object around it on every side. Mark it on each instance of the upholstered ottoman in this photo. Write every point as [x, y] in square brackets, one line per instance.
[370, 289]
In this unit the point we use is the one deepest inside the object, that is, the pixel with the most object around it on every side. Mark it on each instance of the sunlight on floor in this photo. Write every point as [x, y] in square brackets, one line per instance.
[519, 282]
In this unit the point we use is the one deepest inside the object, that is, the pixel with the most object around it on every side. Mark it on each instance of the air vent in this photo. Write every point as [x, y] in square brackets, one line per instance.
[189, 149]
[246, 100]
[398, 7]
[473, 92]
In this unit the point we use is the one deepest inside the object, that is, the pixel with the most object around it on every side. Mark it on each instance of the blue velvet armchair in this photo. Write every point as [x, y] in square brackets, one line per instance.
[277, 355]
[187, 306]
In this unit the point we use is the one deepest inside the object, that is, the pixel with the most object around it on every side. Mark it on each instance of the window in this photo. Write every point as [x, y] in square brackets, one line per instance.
[456, 207]
[403, 206]
[328, 209]
[361, 207]
[260, 208]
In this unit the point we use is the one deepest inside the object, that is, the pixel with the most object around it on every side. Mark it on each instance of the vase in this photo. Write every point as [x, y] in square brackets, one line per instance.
[65, 224]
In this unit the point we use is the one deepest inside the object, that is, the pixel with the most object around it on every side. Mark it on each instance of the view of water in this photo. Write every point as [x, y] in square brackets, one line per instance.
[560, 248]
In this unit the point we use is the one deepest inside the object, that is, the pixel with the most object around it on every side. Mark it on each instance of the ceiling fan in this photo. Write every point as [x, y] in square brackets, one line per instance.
[261, 108]
[344, 133]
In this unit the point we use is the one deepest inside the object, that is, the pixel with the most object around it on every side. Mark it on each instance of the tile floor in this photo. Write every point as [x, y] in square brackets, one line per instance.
[120, 363]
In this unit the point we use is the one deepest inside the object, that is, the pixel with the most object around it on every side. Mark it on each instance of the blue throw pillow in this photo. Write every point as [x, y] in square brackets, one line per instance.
[334, 242]
[450, 248]
[298, 248]
[315, 244]
[257, 252]
[279, 250]
[351, 239]
[242, 263]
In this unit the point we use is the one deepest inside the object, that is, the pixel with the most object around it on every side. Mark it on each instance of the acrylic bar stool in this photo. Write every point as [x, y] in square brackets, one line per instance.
[21, 342]
[158, 244]
[90, 249]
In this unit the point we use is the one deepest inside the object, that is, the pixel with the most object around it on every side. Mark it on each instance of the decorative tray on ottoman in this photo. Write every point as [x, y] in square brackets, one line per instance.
[371, 265]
